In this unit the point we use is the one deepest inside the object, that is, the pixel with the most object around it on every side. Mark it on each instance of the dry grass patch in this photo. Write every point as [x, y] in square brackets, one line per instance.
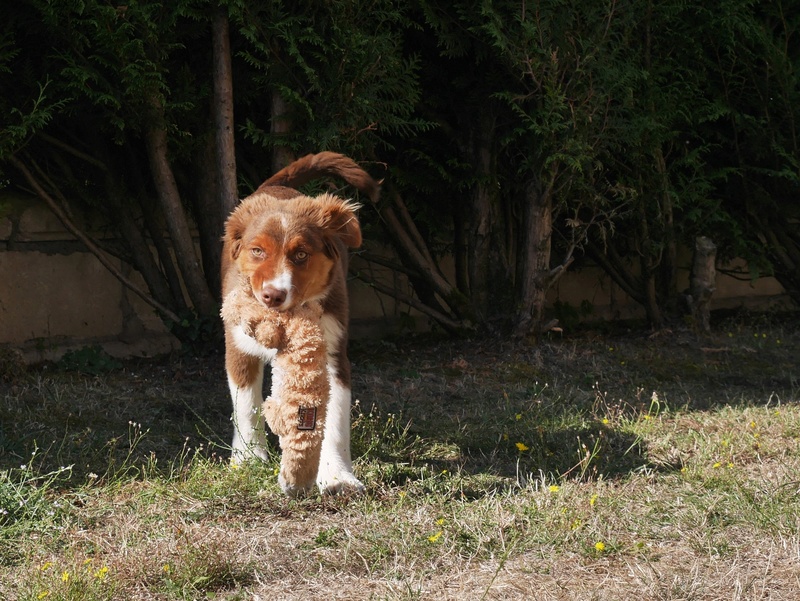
[593, 467]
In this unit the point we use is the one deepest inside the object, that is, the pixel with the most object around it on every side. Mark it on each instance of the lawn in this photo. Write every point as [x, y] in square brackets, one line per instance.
[590, 466]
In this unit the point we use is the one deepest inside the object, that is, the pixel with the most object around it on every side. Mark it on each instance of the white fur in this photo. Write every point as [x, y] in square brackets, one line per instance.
[283, 281]
[249, 345]
[335, 464]
[249, 438]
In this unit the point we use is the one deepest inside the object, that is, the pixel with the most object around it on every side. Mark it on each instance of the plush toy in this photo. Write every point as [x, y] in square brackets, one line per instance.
[296, 407]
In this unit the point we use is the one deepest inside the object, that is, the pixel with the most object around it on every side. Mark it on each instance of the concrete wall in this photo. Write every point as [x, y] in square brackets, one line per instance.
[54, 295]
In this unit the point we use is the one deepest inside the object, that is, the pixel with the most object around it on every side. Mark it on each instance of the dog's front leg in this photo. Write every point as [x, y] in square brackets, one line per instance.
[244, 362]
[335, 473]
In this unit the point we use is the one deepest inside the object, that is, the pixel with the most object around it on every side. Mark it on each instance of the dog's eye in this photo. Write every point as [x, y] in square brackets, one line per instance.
[258, 253]
[300, 256]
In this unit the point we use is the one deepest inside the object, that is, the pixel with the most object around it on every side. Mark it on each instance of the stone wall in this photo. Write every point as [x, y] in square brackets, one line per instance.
[54, 295]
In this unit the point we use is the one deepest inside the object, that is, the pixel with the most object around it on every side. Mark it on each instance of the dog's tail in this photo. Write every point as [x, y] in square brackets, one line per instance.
[313, 166]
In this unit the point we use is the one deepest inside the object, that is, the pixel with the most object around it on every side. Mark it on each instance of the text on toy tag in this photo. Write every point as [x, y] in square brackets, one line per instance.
[307, 418]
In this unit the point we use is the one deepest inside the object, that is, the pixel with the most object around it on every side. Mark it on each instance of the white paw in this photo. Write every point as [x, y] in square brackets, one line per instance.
[343, 483]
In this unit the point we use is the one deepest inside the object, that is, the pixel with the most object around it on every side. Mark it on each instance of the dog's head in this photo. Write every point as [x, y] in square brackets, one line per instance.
[288, 249]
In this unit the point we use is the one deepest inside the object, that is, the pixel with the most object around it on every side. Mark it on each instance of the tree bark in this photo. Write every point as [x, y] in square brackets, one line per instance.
[648, 270]
[280, 125]
[174, 213]
[223, 118]
[538, 229]
[704, 281]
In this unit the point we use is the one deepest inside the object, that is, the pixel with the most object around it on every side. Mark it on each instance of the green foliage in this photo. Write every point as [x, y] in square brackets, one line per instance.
[342, 69]
[643, 143]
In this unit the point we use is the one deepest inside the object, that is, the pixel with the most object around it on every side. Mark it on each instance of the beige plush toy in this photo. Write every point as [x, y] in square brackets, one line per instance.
[296, 407]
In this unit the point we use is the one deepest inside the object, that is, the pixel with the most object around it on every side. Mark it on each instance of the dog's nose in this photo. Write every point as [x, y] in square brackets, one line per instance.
[273, 297]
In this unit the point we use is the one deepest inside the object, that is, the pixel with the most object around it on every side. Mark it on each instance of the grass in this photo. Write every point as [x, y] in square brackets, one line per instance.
[587, 467]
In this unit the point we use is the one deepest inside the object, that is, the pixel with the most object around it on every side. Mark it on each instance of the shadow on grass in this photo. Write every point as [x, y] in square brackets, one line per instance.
[487, 409]
[108, 424]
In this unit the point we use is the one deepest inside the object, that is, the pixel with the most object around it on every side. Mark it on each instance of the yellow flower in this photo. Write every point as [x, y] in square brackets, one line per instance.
[43, 594]
[518, 416]
[101, 573]
[234, 465]
[435, 537]
[46, 566]
[553, 488]
[166, 569]
[592, 500]
[717, 465]
[440, 521]
[605, 421]
[600, 546]
[521, 446]
[65, 576]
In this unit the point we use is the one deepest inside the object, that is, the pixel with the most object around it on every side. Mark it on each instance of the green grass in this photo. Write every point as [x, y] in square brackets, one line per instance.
[588, 467]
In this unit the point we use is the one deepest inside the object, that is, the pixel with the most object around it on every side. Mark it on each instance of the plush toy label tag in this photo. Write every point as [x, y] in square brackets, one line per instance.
[307, 418]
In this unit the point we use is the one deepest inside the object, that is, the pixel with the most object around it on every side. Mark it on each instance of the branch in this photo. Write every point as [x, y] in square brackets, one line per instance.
[370, 258]
[88, 242]
[447, 322]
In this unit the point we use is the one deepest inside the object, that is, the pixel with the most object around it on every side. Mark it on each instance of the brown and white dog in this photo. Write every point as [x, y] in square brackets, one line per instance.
[291, 249]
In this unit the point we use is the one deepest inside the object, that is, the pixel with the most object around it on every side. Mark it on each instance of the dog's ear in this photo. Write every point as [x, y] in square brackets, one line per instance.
[234, 231]
[338, 218]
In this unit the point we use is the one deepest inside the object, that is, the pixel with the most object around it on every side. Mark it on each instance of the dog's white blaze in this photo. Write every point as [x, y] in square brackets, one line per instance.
[282, 281]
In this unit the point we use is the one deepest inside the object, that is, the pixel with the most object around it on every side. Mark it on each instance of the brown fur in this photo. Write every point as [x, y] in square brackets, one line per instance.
[285, 250]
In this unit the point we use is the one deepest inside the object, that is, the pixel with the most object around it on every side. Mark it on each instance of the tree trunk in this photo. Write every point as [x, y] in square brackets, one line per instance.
[668, 289]
[174, 213]
[280, 125]
[704, 281]
[209, 210]
[223, 119]
[538, 231]
[648, 270]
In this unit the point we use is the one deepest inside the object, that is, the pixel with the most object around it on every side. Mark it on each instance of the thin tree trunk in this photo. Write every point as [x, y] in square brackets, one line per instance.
[538, 228]
[482, 254]
[704, 281]
[174, 213]
[280, 124]
[648, 271]
[223, 118]
[668, 290]
[209, 211]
